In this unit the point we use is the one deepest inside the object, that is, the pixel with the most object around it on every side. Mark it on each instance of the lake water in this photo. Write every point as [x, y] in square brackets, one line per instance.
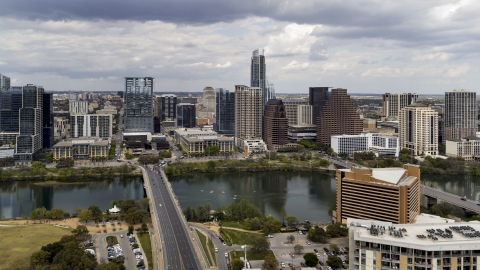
[20, 198]
[303, 194]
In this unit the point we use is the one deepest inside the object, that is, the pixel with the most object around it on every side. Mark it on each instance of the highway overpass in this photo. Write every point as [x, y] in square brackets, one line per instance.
[467, 205]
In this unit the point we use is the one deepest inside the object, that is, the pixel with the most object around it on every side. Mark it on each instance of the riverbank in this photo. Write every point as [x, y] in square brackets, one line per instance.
[55, 175]
[285, 164]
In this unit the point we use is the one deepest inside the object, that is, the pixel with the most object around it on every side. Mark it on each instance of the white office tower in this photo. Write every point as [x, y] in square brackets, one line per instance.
[392, 103]
[460, 115]
[418, 129]
[248, 112]
[78, 106]
[139, 107]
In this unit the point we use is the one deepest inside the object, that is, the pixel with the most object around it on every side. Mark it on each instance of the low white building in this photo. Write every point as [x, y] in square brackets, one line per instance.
[254, 146]
[380, 144]
[468, 148]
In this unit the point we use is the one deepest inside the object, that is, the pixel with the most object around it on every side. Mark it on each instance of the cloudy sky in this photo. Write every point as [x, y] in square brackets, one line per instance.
[366, 46]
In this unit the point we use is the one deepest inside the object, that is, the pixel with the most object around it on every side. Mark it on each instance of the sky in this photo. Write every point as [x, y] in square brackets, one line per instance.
[366, 46]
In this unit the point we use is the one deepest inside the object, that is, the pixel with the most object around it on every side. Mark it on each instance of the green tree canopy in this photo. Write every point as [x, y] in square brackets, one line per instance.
[55, 213]
[334, 261]
[298, 249]
[38, 213]
[237, 264]
[317, 234]
[270, 263]
[96, 212]
[311, 259]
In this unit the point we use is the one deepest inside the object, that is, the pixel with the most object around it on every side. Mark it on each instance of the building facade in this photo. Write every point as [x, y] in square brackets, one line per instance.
[10, 105]
[380, 144]
[275, 124]
[248, 112]
[418, 129]
[224, 121]
[186, 115]
[4, 82]
[460, 117]
[258, 76]
[139, 104]
[197, 146]
[78, 106]
[304, 115]
[47, 123]
[167, 107]
[317, 97]
[30, 138]
[468, 148]
[91, 126]
[337, 117]
[81, 150]
[384, 194]
[392, 103]
[291, 109]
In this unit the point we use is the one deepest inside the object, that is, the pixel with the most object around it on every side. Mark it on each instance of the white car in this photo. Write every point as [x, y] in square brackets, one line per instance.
[308, 242]
[216, 250]
[226, 254]
[282, 264]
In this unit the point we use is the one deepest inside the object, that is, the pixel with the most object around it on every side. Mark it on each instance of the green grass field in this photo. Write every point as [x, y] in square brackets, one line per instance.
[252, 255]
[233, 224]
[212, 250]
[19, 242]
[237, 237]
[112, 240]
[203, 240]
[147, 247]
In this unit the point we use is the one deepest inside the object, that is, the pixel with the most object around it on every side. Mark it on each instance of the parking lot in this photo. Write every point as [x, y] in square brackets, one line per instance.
[124, 243]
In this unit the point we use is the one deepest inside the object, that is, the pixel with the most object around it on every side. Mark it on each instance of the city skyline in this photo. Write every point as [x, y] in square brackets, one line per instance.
[426, 48]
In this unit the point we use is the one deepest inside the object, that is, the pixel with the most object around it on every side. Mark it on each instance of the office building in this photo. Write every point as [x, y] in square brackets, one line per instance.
[197, 146]
[78, 106]
[248, 113]
[317, 97]
[304, 116]
[4, 82]
[384, 194]
[258, 76]
[304, 132]
[186, 115]
[251, 146]
[392, 103]
[47, 123]
[224, 122]
[291, 109]
[467, 148]
[91, 126]
[380, 144]
[275, 125]
[30, 138]
[208, 100]
[418, 129]
[460, 114]
[139, 104]
[338, 116]
[385, 245]
[94, 150]
[10, 105]
[192, 132]
[167, 107]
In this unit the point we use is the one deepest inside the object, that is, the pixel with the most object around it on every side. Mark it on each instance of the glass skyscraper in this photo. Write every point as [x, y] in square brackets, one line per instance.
[139, 104]
[224, 121]
[258, 76]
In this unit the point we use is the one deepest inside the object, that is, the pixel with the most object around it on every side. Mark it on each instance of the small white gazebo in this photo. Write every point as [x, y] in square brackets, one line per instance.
[114, 210]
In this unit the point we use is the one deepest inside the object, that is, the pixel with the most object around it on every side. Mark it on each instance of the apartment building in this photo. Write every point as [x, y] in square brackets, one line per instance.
[91, 125]
[186, 115]
[460, 114]
[392, 103]
[418, 129]
[224, 121]
[78, 106]
[380, 144]
[292, 109]
[468, 148]
[248, 112]
[384, 194]
[338, 116]
[385, 245]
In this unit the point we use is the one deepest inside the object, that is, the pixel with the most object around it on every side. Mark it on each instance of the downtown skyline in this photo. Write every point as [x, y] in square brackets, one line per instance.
[366, 47]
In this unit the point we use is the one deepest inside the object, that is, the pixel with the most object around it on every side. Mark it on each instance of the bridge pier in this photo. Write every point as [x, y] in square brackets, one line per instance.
[431, 201]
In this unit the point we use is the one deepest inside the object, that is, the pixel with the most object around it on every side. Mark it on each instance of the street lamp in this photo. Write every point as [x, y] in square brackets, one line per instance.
[245, 249]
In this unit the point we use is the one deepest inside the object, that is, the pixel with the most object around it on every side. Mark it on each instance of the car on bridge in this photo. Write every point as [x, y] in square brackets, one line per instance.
[464, 198]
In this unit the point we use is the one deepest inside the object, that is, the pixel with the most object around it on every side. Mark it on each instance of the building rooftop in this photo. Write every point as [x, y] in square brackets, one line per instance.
[425, 236]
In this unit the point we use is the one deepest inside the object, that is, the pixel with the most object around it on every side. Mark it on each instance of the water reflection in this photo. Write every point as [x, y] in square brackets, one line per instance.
[20, 198]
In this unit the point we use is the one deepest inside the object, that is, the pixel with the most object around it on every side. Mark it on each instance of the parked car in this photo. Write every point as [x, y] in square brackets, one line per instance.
[463, 198]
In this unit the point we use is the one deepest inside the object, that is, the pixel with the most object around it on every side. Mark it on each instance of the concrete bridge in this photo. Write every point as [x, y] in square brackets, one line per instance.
[470, 207]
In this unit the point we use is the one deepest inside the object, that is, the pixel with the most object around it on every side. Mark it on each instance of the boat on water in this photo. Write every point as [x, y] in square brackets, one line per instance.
[211, 191]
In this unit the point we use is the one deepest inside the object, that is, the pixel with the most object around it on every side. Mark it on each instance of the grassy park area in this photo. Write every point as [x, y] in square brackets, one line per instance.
[144, 239]
[203, 240]
[19, 242]
[236, 237]
[252, 255]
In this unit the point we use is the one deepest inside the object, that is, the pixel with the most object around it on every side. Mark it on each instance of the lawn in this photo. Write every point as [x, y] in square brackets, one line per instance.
[147, 247]
[237, 237]
[19, 242]
[212, 250]
[203, 240]
[253, 255]
[112, 240]
[232, 224]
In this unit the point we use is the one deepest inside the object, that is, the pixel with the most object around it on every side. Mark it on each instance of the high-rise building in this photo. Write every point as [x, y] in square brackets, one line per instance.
[167, 107]
[4, 82]
[47, 123]
[317, 97]
[258, 76]
[91, 125]
[208, 100]
[460, 114]
[248, 112]
[10, 104]
[275, 124]
[224, 122]
[291, 109]
[78, 106]
[139, 104]
[338, 116]
[304, 115]
[30, 138]
[384, 194]
[186, 115]
[418, 129]
[392, 103]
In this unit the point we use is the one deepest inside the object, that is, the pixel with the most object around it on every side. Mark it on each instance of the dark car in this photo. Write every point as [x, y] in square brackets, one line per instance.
[302, 264]
[316, 250]
[326, 249]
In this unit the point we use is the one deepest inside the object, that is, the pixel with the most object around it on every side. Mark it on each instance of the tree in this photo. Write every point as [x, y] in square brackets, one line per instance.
[80, 231]
[298, 249]
[144, 228]
[38, 213]
[259, 243]
[329, 151]
[65, 163]
[317, 234]
[85, 214]
[96, 212]
[112, 203]
[38, 166]
[283, 214]
[237, 264]
[39, 258]
[188, 213]
[292, 221]
[310, 259]
[290, 238]
[334, 247]
[49, 157]
[144, 203]
[270, 263]
[337, 230]
[334, 261]
[55, 213]
[270, 225]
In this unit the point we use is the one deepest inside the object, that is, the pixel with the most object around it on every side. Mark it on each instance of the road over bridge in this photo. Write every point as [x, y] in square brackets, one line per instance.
[468, 205]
